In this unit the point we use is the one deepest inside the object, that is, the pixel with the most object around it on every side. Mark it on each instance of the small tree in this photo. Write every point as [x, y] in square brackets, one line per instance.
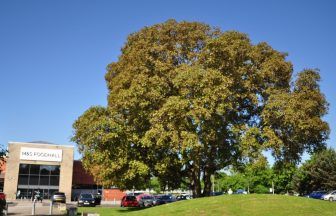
[318, 173]
[283, 176]
[155, 185]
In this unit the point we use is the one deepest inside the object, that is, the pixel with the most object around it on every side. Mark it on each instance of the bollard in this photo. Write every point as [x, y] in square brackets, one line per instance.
[33, 209]
[72, 211]
[50, 208]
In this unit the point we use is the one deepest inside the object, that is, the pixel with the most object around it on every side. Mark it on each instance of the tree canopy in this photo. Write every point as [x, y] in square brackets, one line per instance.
[318, 173]
[187, 100]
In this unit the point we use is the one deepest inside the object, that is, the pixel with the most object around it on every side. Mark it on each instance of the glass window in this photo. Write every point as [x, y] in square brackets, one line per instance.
[23, 180]
[130, 198]
[54, 180]
[32, 176]
[24, 169]
[45, 194]
[44, 180]
[86, 196]
[33, 179]
[55, 170]
[34, 169]
[45, 170]
[21, 193]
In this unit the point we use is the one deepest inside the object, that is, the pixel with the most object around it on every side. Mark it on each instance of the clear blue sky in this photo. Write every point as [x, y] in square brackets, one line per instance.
[53, 54]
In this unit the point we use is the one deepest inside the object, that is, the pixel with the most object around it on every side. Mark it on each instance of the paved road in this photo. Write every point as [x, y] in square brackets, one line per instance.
[24, 207]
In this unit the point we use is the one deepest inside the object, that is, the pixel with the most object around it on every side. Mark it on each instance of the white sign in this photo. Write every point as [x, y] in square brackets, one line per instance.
[41, 154]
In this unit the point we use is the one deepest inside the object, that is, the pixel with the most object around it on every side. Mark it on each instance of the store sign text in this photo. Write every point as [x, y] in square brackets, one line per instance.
[41, 154]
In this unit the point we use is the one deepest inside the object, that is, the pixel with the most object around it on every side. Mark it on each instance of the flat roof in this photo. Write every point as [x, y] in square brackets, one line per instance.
[39, 144]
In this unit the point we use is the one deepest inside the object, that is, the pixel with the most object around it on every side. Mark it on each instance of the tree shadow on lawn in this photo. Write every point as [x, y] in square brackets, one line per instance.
[118, 210]
[129, 209]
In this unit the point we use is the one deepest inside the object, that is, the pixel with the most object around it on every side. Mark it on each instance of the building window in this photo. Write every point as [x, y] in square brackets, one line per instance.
[35, 177]
[55, 170]
[44, 180]
[24, 169]
[45, 170]
[23, 180]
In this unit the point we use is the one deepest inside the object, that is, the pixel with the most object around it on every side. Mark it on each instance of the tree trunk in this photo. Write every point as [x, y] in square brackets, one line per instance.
[207, 183]
[196, 181]
[197, 189]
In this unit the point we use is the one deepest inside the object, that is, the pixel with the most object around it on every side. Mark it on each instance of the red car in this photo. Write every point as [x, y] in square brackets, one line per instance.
[3, 203]
[129, 201]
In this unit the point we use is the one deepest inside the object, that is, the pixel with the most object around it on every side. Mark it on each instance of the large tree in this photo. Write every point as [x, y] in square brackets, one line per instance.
[186, 100]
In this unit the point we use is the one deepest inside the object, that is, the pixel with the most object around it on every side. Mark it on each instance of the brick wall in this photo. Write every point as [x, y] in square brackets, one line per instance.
[113, 194]
[80, 176]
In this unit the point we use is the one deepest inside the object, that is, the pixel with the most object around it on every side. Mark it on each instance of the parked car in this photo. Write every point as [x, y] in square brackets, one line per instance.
[240, 191]
[157, 200]
[146, 200]
[129, 201]
[134, 194]
[97, 198]
[317, 194]
[86, 199]
[331, 196]
[217, 193]
[3, 203]
[183, 197]
[163, 199]
[58, 197]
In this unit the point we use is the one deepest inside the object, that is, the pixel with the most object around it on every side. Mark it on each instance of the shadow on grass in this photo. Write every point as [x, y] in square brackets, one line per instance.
[127, 210]
[102, 210]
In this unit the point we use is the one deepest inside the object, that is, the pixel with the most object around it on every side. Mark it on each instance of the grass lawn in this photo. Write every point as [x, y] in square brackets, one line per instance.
[234, 205]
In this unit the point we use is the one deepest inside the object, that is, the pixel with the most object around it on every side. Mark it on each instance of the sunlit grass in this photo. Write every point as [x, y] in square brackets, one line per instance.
[234, 205]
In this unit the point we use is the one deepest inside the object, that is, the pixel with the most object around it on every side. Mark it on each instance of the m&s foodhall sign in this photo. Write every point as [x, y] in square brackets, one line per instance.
[41, 154]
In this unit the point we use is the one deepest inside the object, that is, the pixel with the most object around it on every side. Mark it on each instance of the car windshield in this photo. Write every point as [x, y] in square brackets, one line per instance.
[86, 196]
[58, 193]
[147, 197]
[130, 198]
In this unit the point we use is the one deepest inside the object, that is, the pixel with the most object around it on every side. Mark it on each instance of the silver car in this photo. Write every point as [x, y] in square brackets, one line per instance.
[331, 196]
[58, 197]
[146, 200]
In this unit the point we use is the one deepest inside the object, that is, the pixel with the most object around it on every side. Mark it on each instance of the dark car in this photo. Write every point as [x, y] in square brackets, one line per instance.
[181, 197]
[217, 193]
[163, 199]
[146, 200]
[98, 199]
[240, 191]
[86, 199]
[129, 201]
[317, 194]
[58, 197]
